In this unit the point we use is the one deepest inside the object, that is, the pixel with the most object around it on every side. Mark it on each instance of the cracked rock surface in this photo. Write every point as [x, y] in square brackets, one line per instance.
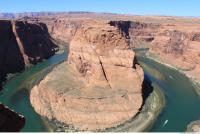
[98, 87]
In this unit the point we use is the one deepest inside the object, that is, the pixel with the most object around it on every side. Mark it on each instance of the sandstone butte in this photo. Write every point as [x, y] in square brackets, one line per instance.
[99, 87]
[167, 37]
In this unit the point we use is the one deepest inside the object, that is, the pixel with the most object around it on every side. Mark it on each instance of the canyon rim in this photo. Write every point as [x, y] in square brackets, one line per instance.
[100, 85]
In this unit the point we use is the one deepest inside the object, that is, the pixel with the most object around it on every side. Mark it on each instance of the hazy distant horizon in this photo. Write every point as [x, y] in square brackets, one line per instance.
[182, 8]
[98, 13]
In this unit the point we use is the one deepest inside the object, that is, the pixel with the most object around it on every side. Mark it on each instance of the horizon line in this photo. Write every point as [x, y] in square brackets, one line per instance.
[114, 13]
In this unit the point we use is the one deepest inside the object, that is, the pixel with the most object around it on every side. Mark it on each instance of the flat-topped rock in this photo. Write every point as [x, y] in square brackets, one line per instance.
[98, 87]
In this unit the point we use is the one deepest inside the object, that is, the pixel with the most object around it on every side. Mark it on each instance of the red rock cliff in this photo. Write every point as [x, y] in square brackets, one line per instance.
[99, 87]
[23, 43]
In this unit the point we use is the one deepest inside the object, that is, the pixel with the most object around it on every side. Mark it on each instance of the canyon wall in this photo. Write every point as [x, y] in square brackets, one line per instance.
[104, 74]
[101, 86]
[21, 44]
[59, 28]
[167, 37]
[175, 44]
[63, 29]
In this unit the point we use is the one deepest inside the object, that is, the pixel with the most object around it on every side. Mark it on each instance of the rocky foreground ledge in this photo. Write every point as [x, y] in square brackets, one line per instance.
[194, 126]
[99, 87]
[10, 121]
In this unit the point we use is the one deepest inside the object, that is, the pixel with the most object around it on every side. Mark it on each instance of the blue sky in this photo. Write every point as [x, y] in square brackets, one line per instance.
[136, 7]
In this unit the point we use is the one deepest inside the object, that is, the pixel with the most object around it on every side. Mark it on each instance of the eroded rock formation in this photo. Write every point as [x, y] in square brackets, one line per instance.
[99, 87]
[23, 43]
[176, 44]
[99, 58]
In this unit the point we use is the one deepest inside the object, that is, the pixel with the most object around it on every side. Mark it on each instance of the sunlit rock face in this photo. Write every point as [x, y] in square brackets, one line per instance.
[100, 85]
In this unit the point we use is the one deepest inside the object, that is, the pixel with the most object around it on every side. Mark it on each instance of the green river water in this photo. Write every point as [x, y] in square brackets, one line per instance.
[182, 102]
[15, 94]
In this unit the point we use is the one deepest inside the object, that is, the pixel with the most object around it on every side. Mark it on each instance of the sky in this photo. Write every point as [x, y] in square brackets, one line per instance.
[135, 7]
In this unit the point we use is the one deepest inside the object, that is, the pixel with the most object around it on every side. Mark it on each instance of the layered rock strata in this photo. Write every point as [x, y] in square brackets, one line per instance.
[182, 44]
[23, 43]
[99, 87]
[176, 44]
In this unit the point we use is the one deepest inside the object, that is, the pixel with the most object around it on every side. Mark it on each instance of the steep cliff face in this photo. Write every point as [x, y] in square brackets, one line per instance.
[142, 34]
[11, 60]
[123, 26]
[62, 29]
[22, 43]
[95, 49]
[102, 84]
[167, 42]
[35, 40]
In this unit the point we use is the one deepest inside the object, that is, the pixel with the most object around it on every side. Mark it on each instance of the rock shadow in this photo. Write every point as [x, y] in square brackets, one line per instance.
[147, 89]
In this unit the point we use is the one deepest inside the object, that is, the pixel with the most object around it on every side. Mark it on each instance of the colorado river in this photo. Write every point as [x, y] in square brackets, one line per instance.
[15, 93]
[182, 102]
